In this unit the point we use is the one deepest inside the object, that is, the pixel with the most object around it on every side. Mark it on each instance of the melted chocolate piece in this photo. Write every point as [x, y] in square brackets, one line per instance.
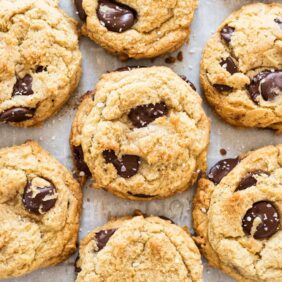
[17, 114]
[188, 81]
[102, 237]
[221, 169]
[142, 115]
[77, 269]
[140, 195]
[249, 180]
[222, 87]
[115, 16]
[23, 86]
[229, 65]
[39, 196]
[126, 167]
[80, 10]
[40, 69]
[267, 84]
[79, 160]
[279, 22]
[226, 33]
[269, 220]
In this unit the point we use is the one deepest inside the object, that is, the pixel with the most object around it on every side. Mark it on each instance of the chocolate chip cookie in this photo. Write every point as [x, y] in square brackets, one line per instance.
[40, 61]
[40, 206]
[139, 249]
[142, 134]
[237, 215]
[137, 29]
[241, 69]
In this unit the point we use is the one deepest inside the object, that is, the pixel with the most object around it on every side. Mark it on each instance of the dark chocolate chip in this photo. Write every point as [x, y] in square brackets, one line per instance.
[23, 86]
[39, 196]
[222, 87]
[229, 65]
[188, 81]
[279, 22]
[17, 114]
[269, 220]
[250, 179]
[79, 160]
[142, 115]
[115, 16]
[40, 69]
[126, 167]
[267, 84]
[80, 10]
[102, 237]
[221, 169]
[226, 33]
[140, 195]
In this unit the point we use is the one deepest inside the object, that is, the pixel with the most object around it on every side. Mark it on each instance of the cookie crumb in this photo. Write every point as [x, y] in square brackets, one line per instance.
[223, 152]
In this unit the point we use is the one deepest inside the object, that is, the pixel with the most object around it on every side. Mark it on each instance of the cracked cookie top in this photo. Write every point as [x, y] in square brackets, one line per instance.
[39, 210]
[241, 69]
[137, 29]
[39, 60]
[142, 134]
[237, 215]
[139, 249]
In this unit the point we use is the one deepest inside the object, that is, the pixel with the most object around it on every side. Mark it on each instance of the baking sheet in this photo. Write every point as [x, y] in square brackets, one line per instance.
[99, 205]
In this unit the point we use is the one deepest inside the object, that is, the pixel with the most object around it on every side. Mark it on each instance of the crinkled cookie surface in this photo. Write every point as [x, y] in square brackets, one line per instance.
[40, 206]
[40, 61]
[142, 133]
[241, 69]
[139, 249]
[237, 215]
[135, 28]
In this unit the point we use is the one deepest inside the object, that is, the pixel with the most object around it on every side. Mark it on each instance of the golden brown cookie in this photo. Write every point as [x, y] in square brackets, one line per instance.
[237, 215]
[137, 29]
[40, 206]
[241, 68]
[40, 61]
[139, 249]
[142, 134]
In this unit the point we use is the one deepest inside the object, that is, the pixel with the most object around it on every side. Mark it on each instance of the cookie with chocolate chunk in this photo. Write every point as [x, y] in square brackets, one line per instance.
[40, 61]
[40, 205]
[137, 29]
[139, 249]
[237, 215]
[142, 134]
[241, 68]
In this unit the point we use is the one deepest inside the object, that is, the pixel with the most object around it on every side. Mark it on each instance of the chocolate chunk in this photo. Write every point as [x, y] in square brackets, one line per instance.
[267, 84]
[250, 179]
[39, 196]
[77, 269]
[23, 86]
[79, 160]
[80, 10]
[279, 22]
[188, 81]
[229, 65]
[222, 87]
[126, 167]
[115, 16]
[102, 237]
[17, 114]
[142, 115]
[226, 33]
[40, 69]
[223, 152]
[221, 169]
[140, 195]
[180, 56]
[269, 221]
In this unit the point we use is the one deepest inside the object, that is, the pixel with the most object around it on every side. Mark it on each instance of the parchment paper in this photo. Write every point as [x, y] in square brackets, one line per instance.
[99, 205]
